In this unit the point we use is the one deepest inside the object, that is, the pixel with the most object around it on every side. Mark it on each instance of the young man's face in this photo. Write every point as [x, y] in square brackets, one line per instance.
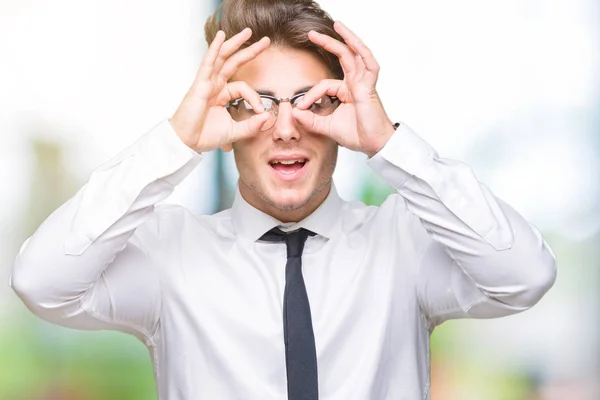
[287, 192]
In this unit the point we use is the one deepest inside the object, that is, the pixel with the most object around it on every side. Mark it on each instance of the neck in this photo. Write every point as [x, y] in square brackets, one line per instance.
[285, 215]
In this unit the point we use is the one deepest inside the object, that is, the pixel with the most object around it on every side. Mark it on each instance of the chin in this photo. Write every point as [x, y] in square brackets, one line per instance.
[289, 199]
[274, 196]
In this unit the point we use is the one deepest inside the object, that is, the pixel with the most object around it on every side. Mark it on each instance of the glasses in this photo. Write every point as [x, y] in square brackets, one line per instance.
[240, 109]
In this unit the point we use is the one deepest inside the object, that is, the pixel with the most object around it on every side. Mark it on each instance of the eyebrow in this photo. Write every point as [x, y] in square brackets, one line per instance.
[272, 94]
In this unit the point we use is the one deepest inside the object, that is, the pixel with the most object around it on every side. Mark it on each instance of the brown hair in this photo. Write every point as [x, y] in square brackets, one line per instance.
[285, 22]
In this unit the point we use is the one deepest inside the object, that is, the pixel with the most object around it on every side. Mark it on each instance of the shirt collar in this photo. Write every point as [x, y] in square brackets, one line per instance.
[251, 223]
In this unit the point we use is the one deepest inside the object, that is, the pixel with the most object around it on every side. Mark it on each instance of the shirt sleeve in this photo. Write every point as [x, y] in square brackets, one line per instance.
[84, 267]
[477, 256]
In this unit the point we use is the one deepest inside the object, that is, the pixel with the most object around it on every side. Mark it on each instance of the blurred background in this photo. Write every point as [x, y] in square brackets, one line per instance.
[511, 87]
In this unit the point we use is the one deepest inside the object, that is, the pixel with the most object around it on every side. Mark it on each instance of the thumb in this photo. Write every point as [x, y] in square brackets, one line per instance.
[311, 121]
[250, 126]
[259, 122]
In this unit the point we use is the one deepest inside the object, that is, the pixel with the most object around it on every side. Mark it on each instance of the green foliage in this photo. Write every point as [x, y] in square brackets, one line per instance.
[40, 361]
[374, 190]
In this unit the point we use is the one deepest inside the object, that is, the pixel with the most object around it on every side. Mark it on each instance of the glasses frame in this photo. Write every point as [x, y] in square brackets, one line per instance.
[277, 100]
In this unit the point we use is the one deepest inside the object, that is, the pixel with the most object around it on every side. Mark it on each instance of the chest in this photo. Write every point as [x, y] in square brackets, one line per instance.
[351, 284]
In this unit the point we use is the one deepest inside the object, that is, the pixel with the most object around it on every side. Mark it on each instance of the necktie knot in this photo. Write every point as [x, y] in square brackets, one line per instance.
[294, 240]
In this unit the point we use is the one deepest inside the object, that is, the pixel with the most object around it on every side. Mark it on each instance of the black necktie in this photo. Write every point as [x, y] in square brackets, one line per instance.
[300, 352]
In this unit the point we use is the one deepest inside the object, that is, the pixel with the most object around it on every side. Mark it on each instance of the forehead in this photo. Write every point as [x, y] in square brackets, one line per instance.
[283, 71]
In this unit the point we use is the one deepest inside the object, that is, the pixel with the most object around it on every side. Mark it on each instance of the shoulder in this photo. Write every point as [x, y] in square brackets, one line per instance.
[170, 220]
[393, 203]
[390, 225]
[392, 210]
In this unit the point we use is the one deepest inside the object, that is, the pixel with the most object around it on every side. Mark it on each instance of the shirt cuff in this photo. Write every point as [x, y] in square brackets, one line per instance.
[164, 153]
[403, 155]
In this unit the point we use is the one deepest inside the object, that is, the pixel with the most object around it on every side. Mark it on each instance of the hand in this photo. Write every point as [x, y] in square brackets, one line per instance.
[201, 121]
[360, 122]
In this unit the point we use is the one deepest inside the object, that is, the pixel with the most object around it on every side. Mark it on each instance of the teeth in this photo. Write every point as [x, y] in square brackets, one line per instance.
[289, 162]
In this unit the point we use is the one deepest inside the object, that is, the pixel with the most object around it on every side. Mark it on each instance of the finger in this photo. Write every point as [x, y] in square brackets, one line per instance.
[336, 47]
[329, 87]
[227, 147]
[235, 90]
[358, 46]
[360, 66]
[207, 65]
[312, 122]
[243, 56]
[231, 46]
[249, 127]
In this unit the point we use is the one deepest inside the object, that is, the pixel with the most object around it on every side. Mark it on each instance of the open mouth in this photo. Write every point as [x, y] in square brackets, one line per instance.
[288, 167]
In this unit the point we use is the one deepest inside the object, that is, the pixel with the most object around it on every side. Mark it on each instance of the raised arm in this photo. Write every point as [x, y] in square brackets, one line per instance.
[87, 266]
[477, 257]
[83, 267]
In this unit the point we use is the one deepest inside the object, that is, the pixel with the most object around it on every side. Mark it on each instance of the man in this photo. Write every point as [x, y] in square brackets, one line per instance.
[293, 292]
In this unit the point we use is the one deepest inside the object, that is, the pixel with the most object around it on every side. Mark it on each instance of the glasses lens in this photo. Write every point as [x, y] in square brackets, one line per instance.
[268, 104]
[324, 105]
[271, 107]
[243, 111]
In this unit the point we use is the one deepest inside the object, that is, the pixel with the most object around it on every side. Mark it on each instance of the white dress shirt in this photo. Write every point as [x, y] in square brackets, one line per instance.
[205, 295]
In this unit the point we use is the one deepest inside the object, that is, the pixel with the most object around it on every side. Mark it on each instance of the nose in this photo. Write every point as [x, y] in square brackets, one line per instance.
[286, 128]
